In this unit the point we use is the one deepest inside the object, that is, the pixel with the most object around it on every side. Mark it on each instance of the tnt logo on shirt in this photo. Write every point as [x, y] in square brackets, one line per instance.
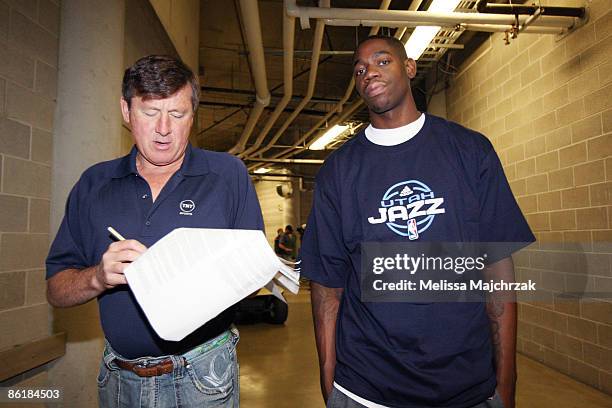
[186, 207]
[408, 208]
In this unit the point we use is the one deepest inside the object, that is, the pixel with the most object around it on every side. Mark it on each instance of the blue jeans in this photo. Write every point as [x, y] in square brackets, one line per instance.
[205, 376]
[338, 399]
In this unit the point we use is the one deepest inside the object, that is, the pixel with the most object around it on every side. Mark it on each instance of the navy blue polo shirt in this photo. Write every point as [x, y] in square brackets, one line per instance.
[210, 190]
[452, 184]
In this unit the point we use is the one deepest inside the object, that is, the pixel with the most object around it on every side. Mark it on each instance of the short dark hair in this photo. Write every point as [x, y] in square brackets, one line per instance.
[159, 77]
[289, 228]
[393, 42]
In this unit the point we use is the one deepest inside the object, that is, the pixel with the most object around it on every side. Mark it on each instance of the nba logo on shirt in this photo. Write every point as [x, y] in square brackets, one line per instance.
[413, 232]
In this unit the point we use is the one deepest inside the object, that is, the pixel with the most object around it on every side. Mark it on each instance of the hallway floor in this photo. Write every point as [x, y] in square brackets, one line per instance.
[279, 369]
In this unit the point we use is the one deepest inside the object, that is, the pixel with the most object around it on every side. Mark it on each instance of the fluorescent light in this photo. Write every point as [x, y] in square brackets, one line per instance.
[419, 40]
[262, 170]
[421, 36]
[443, 6]
[328, 137]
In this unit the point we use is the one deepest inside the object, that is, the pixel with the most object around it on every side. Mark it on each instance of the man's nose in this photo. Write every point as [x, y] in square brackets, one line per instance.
[163, 125]
[371, 72]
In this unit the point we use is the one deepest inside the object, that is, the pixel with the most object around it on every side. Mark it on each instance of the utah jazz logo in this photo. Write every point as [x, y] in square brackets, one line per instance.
[408, 208]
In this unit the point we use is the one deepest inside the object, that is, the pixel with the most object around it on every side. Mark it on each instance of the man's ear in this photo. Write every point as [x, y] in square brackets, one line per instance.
[125, 110]
[411, 67]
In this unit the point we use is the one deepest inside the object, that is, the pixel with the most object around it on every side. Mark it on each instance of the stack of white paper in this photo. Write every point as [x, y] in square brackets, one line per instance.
[192, 274]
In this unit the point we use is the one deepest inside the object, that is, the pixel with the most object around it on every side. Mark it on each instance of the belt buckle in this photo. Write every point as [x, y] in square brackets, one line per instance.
[150, 369]
[144, 364]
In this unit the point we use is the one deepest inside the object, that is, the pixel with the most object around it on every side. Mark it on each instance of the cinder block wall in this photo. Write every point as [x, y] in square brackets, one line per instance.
[28, 81]
[546, 104]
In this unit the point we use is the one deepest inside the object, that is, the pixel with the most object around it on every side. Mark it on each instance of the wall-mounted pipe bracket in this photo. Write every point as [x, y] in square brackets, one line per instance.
[578, 22]
[483, 6]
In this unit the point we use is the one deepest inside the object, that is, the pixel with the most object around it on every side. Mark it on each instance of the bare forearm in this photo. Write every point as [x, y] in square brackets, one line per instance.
[501, 309]
[325, 304]
[73, 287]
[503, 329]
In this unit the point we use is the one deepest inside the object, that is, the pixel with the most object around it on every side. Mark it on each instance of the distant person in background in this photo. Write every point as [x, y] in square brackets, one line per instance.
[277, 250]
[287, 244]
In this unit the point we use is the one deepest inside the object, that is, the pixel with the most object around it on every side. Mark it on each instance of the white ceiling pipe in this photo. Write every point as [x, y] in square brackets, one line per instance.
[288, 41]
[312, 79]
[470, 27]
[252, 28]
[422, 17]
[494, 28]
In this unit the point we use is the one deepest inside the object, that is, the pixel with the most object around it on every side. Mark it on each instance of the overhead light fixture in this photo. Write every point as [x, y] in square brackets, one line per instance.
[262, 170]
[422, 35]
[331, 134]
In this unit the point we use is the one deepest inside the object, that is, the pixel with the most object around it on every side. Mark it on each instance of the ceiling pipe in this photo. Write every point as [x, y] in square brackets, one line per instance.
[531, 19]
[312, 79]
[421, 17]
[471, 27]
[494, 28]
[288, 40]
[252, 28]
[483, 6]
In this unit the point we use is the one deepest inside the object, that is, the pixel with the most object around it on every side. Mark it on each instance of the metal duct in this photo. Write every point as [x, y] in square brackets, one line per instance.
[312, 78]
[252, 27]
[288, 39]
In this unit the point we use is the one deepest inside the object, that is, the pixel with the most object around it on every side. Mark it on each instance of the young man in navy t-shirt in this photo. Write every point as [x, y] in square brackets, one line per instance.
[383, 354]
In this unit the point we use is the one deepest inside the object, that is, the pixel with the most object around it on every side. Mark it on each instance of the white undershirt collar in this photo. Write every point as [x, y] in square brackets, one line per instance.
[393, 137]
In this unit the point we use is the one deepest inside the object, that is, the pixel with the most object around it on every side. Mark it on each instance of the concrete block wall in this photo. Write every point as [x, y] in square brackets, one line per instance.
[546, 104]
[28, 82]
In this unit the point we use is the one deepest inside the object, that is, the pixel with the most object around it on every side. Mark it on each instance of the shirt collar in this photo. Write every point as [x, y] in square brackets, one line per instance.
[191, 165]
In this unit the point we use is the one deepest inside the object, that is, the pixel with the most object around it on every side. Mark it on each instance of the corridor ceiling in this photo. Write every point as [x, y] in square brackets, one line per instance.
[228, 90]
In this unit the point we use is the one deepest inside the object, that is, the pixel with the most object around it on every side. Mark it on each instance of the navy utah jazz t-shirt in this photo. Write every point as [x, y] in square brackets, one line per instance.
[402, 354]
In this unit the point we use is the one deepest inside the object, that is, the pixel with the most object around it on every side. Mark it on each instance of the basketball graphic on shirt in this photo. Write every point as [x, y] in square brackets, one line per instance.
[408, 208]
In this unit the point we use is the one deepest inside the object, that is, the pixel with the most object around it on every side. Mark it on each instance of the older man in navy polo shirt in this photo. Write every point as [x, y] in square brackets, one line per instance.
[143, 195]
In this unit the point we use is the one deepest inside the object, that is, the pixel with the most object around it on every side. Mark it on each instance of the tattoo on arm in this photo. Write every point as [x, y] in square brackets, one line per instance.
[325, 304]
[501, 311]
[495, 309]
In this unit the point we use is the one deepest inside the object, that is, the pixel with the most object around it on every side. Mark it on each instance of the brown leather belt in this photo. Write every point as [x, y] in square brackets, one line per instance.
[163, 367]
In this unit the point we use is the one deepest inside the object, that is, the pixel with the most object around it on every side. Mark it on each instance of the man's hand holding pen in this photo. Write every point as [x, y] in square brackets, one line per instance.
[109, 272]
